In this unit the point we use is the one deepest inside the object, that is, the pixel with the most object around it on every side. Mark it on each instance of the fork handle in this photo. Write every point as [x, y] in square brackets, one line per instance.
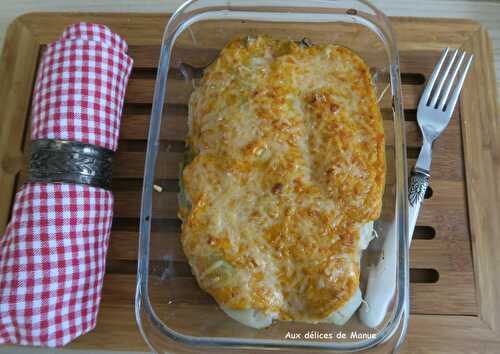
[381, 283]
[419, 181]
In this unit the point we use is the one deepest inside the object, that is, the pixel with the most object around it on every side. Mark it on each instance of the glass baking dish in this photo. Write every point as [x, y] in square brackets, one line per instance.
[173, 313]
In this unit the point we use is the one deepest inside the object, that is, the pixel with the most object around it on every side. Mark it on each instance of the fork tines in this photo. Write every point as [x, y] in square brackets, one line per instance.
[444, 79]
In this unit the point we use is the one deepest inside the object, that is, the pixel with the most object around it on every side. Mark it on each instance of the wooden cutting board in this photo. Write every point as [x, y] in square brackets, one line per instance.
[455, 289]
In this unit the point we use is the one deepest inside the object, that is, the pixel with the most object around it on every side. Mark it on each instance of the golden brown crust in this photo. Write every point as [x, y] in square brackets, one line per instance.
[289, 163]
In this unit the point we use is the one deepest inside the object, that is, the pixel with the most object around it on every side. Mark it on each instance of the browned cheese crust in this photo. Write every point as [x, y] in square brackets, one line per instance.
[289, 163]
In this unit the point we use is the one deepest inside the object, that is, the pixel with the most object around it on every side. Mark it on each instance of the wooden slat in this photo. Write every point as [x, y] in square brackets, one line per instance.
[450, 335]
[178, 92]
[445, 164]
[147, 56]
[481, 130]
[135, 126]
[127, 203]
[440, 254]
[452, 294]
[131, 165]
[174, 127]
[457, 334]
[163, 246]
[443, 255]
[119, 290]
[136, 119]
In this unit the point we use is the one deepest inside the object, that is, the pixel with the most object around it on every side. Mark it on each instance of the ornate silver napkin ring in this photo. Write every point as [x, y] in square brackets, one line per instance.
[74, 162]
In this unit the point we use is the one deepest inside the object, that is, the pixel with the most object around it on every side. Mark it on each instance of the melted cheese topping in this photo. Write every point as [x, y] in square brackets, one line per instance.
[288, 165]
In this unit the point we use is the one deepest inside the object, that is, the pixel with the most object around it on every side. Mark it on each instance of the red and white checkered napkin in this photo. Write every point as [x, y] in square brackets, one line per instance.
[52, 256]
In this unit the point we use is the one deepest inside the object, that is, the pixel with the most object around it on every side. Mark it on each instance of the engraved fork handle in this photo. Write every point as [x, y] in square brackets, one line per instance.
[381, 283]
[419, 181]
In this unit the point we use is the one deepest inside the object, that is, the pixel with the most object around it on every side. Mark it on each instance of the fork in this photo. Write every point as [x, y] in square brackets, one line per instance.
[434, 112]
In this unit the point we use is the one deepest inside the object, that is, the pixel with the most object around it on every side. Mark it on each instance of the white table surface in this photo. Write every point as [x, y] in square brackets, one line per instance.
[485, 12]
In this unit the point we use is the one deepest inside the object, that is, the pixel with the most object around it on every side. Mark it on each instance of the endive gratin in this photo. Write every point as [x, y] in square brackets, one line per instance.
[284, 180]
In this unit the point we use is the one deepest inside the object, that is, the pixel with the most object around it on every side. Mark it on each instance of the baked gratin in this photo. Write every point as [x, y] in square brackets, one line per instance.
[283, 180]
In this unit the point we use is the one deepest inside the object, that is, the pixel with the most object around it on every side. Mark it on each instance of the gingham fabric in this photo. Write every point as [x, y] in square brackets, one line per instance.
[80, 87]
[53, 252]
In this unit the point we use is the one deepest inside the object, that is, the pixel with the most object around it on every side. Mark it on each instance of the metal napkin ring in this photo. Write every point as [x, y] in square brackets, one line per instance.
[65, 161]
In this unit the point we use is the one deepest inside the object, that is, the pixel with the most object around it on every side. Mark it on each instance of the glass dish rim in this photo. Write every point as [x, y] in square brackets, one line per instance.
[177, 23]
